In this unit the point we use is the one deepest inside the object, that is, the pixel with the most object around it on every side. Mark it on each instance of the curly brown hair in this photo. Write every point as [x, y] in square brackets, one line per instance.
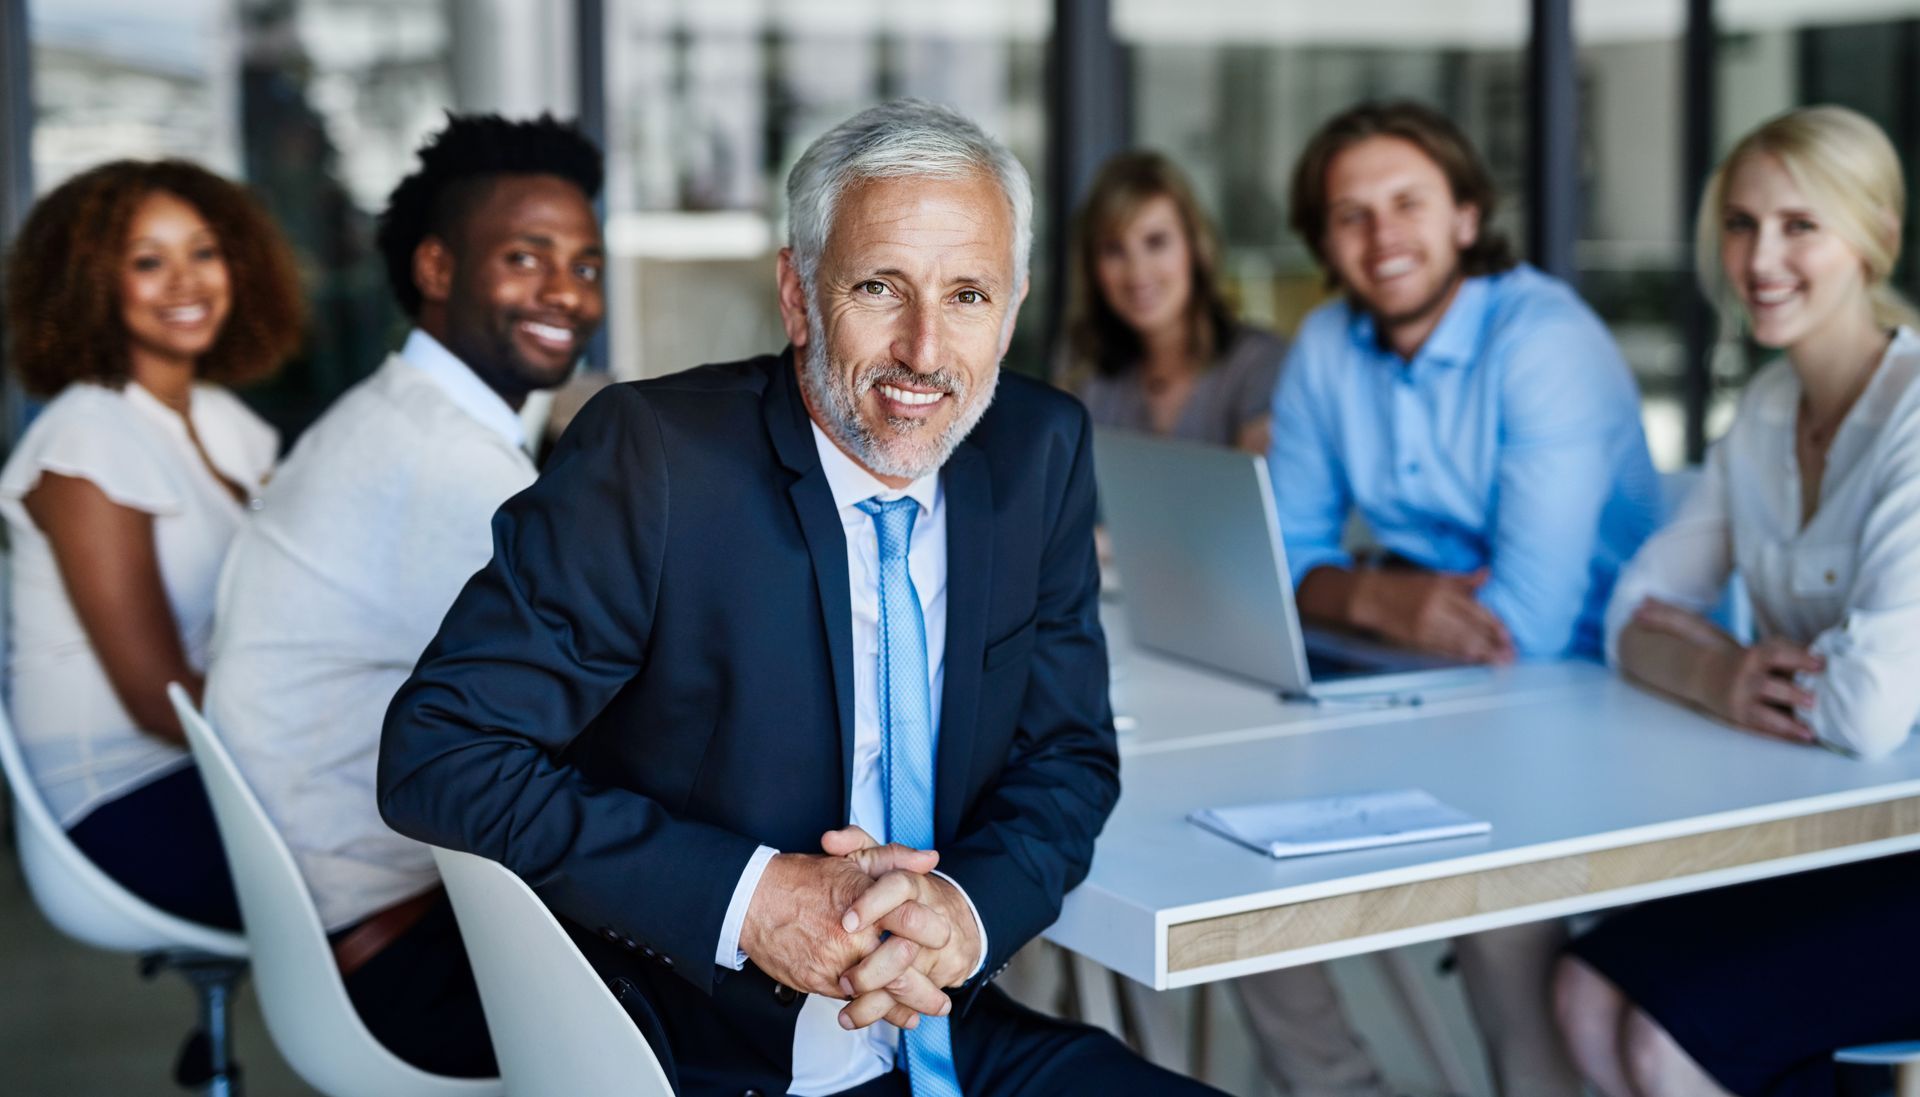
[63, 277]
[1097, 339]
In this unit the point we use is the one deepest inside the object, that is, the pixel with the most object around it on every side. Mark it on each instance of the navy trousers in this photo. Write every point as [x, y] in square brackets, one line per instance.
[159, 841]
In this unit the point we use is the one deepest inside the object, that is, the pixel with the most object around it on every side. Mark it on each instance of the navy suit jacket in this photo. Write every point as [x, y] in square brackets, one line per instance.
[654, 676]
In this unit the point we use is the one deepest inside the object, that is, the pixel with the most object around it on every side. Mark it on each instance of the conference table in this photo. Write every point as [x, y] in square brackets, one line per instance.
[1599, 794]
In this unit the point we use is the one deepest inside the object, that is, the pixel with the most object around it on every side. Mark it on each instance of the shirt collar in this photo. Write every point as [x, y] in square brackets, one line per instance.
[852, 484]
[1455, 340]
[463, 386]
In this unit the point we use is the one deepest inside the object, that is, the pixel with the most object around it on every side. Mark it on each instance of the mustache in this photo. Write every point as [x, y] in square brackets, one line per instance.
[894, 373]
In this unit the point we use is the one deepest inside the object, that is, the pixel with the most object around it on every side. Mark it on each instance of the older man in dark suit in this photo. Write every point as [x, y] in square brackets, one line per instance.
[813, 602]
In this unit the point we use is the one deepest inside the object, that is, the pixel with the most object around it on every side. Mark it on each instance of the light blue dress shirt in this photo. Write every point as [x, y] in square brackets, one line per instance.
[1511, 441]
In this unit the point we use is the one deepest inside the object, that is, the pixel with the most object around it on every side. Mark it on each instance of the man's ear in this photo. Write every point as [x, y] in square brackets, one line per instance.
[1006, 329]
[793, 300]
[1466, 226]
[433, 269]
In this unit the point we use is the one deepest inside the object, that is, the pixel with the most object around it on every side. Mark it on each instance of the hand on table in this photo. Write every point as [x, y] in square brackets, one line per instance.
[1433, 611]
[1749, 687]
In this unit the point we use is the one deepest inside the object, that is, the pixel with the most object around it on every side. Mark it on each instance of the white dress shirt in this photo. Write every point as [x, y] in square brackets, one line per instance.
[1847, 584]
[364, 537]
[82, 746]
[826, 1057]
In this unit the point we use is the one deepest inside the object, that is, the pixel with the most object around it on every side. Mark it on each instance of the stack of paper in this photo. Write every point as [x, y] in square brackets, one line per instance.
[1330, 824]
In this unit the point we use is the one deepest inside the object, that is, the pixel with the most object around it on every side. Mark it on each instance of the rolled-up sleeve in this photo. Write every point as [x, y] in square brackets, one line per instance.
[1310, 488]
[1867, 699]
[1569, 405]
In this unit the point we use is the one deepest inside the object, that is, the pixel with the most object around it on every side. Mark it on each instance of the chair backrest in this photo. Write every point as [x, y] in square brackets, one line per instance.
[556, 1028]
[80, 900]
[312, 1020]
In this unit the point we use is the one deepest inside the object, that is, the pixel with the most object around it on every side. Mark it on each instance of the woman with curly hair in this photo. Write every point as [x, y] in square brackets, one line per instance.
[135, 292]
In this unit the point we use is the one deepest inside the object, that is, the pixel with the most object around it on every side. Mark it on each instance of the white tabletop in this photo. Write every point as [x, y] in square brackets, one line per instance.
[1562, 760]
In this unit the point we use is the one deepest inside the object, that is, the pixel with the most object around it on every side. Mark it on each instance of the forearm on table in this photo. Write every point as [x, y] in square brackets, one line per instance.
[1335, 595]
[1673, 665]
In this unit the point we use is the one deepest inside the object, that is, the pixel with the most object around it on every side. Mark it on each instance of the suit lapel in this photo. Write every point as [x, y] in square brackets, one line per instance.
[969, 491]
[788, 427]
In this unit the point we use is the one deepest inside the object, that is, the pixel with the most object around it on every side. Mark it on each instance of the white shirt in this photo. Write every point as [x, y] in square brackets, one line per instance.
[1848, 584]
[826, 1057]
[364, 538]
[80, 743]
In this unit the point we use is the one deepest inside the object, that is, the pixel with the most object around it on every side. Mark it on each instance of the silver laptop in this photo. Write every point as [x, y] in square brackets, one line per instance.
[1204, 576]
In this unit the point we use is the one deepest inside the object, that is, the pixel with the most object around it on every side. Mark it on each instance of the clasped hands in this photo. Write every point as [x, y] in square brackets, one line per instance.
[863, 922]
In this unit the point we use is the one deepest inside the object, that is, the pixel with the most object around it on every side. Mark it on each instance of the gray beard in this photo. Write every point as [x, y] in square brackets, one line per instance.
[913, 451]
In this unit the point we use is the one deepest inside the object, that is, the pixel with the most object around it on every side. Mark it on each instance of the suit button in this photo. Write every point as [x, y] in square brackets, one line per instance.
[647, 951]
[666, 961]
[785, 994]
[610, 935]
[751, 1093]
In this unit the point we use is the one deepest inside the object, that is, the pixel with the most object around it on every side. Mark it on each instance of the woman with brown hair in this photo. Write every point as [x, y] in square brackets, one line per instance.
[1152, 344]
[135, 291]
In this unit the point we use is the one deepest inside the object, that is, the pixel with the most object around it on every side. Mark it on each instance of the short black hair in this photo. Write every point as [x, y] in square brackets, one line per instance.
[454, 165]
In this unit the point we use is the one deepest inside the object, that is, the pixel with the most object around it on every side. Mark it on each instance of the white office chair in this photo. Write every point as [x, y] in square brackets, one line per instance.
[556, 1028]
[1904, 1058]
[308, 1013]
[89, 906]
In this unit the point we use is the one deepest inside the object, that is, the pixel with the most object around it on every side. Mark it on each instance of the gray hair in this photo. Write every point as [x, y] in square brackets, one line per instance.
[905, 138]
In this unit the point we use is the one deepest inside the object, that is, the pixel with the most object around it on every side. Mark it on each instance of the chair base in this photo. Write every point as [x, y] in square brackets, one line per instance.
[206, 1060]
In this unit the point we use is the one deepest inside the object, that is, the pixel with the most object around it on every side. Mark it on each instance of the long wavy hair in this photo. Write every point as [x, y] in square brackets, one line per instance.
[1098, 341]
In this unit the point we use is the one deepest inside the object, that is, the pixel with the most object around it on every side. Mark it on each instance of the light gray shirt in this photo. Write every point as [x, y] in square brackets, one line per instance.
[363, 539]
[1237, 390]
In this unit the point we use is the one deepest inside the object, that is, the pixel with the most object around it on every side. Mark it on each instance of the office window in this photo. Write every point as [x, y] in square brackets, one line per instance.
[709, 103]
[1631, 261]
[128, 78]
[336, 94]
[1233, 90]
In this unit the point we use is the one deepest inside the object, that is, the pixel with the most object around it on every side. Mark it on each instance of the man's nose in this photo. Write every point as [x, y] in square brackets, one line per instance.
[918, 339]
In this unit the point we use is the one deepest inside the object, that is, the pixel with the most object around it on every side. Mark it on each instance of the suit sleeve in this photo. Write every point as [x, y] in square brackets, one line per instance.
[1029, 838]
[538, 642]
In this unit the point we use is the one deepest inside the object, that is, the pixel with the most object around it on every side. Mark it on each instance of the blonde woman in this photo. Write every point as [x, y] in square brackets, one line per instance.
[1814, 498]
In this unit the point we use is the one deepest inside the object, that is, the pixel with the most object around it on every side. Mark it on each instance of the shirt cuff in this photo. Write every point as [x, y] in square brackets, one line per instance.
[978, 924]
[727, 954]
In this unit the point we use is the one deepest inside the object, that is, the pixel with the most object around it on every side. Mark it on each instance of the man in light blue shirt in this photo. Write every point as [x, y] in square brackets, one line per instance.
[1474, 411]
[1477, 416]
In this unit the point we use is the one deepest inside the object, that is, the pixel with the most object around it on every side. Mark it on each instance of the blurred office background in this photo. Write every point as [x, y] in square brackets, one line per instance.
[1599, 118]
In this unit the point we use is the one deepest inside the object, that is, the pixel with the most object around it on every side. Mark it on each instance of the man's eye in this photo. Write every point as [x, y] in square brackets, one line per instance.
[521, 258]
[873, 288]
[970, 297]
[587, 273]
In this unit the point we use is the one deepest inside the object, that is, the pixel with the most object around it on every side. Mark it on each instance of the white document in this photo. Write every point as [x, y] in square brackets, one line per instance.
[1330, 824]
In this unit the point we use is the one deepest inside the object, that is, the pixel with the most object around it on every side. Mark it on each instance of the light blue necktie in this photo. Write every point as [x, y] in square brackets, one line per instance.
[906, 752]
